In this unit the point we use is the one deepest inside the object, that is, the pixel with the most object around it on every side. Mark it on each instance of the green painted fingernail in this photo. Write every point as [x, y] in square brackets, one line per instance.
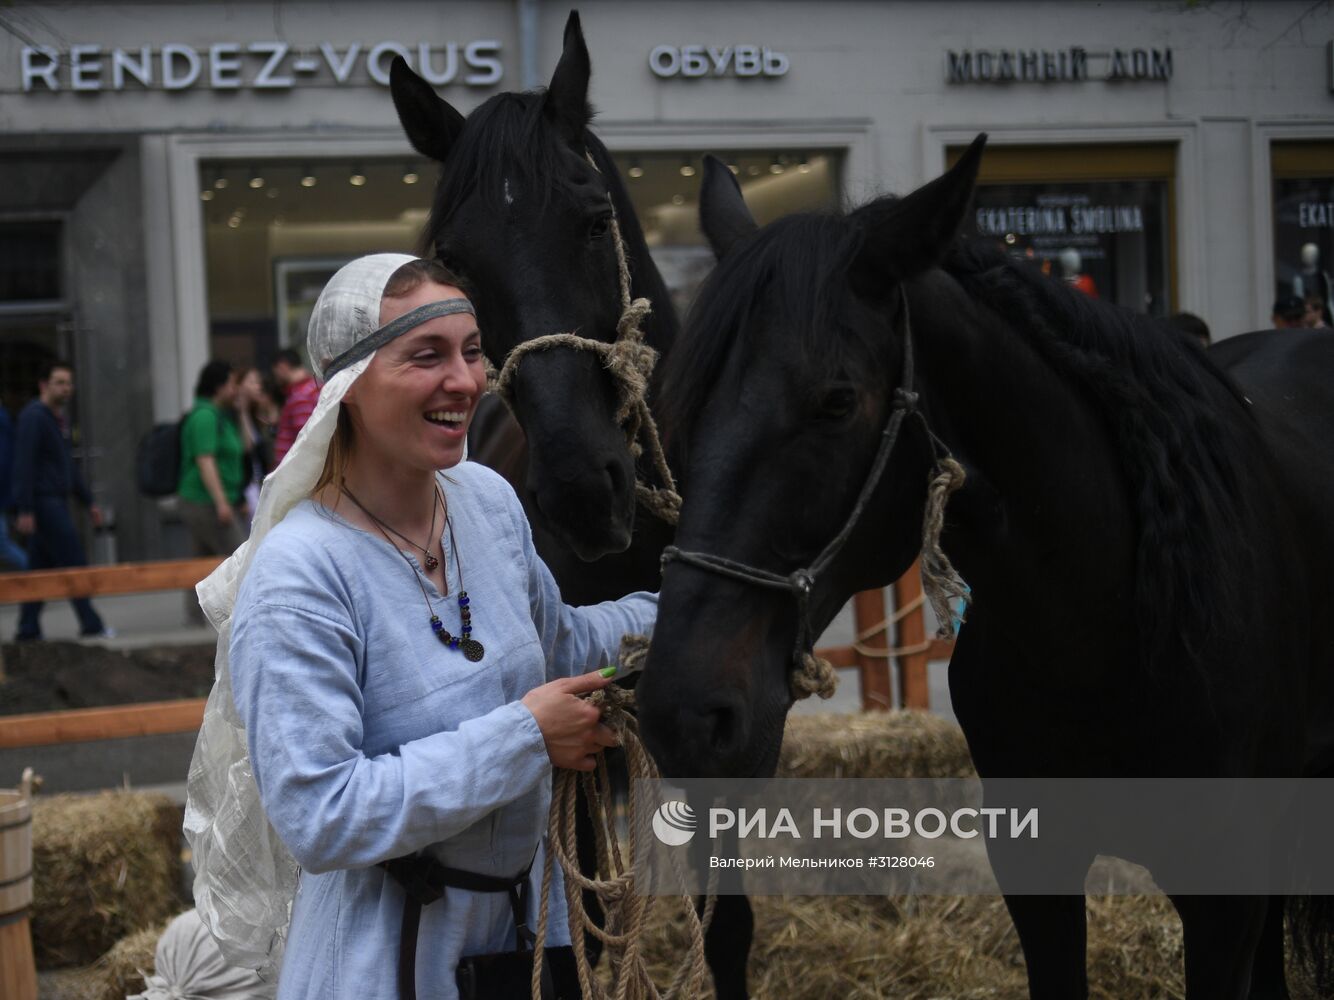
[608, 671]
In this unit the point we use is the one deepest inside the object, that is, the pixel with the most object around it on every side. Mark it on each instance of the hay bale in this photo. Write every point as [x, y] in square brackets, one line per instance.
[874, 745]
[931, 948]
[123, 969]
[104, 867]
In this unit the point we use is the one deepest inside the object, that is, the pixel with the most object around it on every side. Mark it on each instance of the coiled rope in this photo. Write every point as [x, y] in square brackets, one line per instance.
[625, 911]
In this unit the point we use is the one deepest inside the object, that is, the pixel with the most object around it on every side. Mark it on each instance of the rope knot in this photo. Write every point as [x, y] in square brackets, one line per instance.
[631, 316]
[905, 399]
[813, 675]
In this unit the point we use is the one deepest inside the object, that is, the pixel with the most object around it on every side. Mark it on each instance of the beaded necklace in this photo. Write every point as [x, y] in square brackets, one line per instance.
[470, 647]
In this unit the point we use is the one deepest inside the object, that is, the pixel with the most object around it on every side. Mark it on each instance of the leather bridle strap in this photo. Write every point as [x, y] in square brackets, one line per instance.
[801, 582]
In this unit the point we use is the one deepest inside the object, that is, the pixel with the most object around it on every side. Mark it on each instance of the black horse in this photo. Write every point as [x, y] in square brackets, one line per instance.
[522, 214]
[1148, 541]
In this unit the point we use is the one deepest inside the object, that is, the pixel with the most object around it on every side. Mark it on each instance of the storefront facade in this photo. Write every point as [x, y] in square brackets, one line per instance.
[179, 177]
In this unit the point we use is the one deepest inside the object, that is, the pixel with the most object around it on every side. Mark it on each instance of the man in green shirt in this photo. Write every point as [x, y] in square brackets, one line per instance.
[212, 479]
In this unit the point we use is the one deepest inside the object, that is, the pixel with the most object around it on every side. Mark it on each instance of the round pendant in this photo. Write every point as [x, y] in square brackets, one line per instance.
[472, 649]
[431, 563]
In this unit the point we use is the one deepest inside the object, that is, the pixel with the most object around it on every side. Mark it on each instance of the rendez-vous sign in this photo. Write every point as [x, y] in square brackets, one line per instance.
[268, 65]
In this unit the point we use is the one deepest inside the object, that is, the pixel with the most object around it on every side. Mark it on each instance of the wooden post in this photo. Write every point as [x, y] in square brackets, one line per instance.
[18, 974]
[913, 687]
[868, 611]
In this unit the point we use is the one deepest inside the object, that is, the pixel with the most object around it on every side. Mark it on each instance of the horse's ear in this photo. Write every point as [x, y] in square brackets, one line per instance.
[906, 236]
[567, 96]
[723, 214]
[432, 124]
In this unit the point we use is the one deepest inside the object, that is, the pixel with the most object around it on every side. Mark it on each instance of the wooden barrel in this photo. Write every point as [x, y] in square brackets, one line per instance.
[18, 975]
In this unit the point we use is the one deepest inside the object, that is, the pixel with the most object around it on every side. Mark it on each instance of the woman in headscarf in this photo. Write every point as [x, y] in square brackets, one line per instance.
[401, 665]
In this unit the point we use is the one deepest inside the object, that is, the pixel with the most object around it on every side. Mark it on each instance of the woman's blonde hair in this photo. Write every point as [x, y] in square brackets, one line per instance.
[404, 281]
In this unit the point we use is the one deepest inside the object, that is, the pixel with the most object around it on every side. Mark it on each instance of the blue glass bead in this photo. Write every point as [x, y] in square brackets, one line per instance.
[453, 644]
[463, 601]
[436, 624]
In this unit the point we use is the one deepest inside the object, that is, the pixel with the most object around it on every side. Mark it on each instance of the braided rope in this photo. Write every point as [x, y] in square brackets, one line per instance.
[630, 362]
[940, 580]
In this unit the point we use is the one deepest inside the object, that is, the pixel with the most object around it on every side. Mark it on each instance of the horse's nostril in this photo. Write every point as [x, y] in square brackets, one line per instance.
[723, 729]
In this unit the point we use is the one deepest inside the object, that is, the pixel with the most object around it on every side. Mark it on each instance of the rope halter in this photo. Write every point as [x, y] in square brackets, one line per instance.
[812, 674]
[630, 362]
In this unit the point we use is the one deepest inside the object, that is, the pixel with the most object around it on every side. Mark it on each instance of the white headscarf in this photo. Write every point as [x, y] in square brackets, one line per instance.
[245, 878]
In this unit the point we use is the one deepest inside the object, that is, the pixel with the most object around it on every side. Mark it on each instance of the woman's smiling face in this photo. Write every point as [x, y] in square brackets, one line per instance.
[414, 403]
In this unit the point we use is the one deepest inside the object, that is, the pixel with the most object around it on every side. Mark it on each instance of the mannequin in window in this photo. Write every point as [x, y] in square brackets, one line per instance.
[1314, 280]
[1072, 273]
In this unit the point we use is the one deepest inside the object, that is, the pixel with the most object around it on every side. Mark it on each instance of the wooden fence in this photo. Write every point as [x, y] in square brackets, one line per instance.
[870, 653]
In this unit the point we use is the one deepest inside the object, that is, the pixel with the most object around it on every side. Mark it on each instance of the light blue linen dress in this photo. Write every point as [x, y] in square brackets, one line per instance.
[371, 740]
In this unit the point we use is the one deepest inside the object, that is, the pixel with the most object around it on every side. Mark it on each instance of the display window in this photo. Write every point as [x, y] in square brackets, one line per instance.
[1303, 191]
[1098, 217]
[276, 230]
[664, 189]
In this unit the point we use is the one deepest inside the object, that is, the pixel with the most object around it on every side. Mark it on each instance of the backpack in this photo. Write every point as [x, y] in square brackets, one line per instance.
[157, 462]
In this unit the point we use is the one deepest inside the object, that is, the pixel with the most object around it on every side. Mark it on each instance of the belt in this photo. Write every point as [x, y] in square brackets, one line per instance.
[424, 880]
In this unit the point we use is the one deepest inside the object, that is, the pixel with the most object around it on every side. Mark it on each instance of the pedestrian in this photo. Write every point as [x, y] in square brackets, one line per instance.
[1193, 326]
[1289, 313]
[391, 744]
[1314, 318]
[212, 482]
[301, 392]
[12, 555]
[44, 478]
[257, 419]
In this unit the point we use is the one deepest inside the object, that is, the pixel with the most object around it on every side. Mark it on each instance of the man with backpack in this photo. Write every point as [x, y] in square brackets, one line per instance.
[212, 472]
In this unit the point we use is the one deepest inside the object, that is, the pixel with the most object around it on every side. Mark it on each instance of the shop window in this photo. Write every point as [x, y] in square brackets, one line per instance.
[1098, 217]
[664, 189]
[275, 230]
[30, 264]
[1303, 178]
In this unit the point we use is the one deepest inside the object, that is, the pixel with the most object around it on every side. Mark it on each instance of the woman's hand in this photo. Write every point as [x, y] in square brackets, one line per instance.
[571, 727]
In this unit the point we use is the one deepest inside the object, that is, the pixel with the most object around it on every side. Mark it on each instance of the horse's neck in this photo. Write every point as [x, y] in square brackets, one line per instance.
[1044, 497]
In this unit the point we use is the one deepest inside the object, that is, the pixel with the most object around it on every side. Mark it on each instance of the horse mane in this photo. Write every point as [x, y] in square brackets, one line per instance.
[1181, 438]
[807, 255]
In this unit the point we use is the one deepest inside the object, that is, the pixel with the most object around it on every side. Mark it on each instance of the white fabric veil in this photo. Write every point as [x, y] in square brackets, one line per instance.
[245, 878]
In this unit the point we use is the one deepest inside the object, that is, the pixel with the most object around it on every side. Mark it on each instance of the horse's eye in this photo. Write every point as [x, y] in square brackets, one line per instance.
[839, 403]
[600, 226]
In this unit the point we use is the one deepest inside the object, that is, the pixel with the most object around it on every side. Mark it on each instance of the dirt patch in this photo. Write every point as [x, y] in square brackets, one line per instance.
[51, 676]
